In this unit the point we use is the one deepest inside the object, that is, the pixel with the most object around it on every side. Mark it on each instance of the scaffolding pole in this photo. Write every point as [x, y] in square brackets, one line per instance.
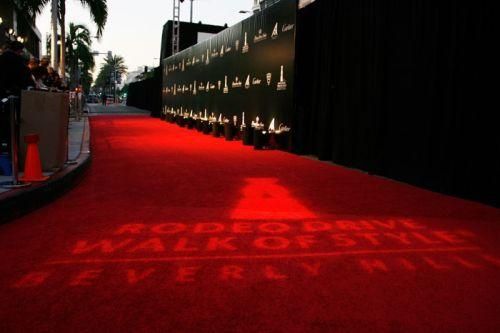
[176, 27]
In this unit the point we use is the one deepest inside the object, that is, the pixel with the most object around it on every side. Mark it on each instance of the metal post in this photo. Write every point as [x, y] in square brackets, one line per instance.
[176, 27]
[191, 16]
[68, 160]
[14, 147]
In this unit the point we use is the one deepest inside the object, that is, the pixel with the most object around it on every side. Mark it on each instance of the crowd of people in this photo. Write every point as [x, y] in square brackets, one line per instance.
[17, 73]
[45, 76]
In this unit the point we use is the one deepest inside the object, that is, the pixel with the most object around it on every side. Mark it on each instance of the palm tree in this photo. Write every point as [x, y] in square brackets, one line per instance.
[78, 52]
[116, 63]
[98, 13]
[31, 7]
[113, 68]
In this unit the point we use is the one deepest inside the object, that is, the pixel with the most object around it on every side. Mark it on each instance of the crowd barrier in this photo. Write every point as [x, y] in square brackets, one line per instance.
[44, 115]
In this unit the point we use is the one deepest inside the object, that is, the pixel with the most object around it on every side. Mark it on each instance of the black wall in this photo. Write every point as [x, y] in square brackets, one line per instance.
[146, 94]
[188, 35]
[401, 89]
[230, 62]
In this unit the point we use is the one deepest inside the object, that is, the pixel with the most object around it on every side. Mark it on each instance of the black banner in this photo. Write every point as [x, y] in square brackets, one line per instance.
[248, 68]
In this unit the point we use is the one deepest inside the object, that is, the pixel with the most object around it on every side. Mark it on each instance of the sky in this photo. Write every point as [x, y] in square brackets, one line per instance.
[133, 29]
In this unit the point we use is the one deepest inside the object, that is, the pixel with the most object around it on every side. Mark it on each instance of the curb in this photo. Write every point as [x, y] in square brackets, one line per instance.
[16, 203]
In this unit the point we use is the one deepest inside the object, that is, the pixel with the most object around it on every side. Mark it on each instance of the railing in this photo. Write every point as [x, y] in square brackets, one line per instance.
[75, 105]
[12, 103]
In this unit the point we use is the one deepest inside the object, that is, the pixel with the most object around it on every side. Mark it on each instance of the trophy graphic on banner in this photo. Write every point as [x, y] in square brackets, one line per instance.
[175, 89]
[208, 58]
[219, 83]
[183, 65]
[271, 126]
[247, 82]
[222, 51]
[226, 89]
[260, 36]
[268, 78]
[236, 83]
[274, 35]
[194, 88]
[237, 45]
[245, 47]
[282, 83]
[243, 121]
[207, 88]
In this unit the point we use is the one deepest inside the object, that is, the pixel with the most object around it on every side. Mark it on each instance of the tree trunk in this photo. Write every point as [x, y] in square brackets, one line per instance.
[63, 43]
[53, 43]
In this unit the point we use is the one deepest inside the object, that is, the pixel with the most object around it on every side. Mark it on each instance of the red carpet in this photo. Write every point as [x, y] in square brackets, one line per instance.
[174, 231]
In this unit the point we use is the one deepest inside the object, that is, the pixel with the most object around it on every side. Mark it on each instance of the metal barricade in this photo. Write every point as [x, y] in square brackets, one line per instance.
[76, 105]
[12, 101]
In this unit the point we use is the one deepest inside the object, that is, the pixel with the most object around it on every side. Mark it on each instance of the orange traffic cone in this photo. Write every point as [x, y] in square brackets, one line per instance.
[32, 165]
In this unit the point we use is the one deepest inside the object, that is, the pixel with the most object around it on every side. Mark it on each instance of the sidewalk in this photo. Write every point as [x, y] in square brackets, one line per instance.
[115, 109]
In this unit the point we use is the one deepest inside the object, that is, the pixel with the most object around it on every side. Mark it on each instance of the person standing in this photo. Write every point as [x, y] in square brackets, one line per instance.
[15, 76]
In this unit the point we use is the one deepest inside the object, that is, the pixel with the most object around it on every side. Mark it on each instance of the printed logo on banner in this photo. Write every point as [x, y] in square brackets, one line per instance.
[222, 51]
[260, 36]
[274, 35]
[207, 61]
[282, 83]
[268, 78]
[175, 89]
[219, 83]
[194, 88]
[236, 83]
[215, 54]
[226, 89]
[247, 82]
[245, 45]
[287, 27]
[201, 87]
[256, 81]
[237, 45]
[207, 88]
